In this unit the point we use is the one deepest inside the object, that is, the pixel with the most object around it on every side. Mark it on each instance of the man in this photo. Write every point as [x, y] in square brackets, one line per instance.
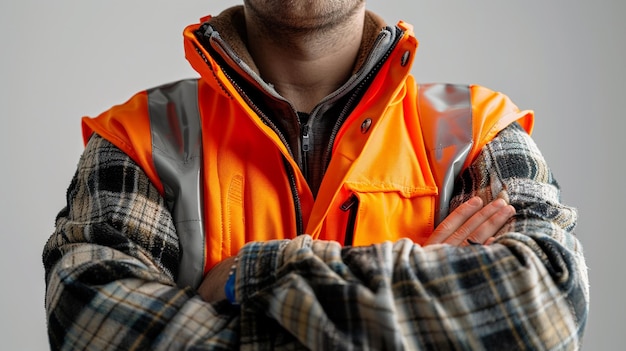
[306, 193]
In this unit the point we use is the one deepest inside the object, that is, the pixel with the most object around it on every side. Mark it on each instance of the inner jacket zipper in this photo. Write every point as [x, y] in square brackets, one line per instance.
[351, 205]
[305, 149]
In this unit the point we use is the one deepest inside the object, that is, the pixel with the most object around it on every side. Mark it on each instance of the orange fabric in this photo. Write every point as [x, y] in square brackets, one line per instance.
[492, 112]
[247, 192]
[127, 126]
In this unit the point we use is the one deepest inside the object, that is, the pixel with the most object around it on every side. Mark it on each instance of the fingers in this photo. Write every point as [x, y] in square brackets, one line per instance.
[455, 220]
[484, 224]
[472, 222]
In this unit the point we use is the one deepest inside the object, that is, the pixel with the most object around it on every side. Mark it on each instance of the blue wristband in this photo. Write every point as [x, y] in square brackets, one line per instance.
[229, 288]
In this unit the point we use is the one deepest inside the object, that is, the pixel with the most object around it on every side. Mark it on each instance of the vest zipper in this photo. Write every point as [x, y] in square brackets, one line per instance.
[356, 94]
[352, 207]
[267, 121]
[296, 198]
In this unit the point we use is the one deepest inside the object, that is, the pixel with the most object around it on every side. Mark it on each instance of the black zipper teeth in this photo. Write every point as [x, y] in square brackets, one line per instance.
[343, 115]
[305, 149]
[295, 196]
[266, 120]
[206, 61]
[269, 123]
[291, 176]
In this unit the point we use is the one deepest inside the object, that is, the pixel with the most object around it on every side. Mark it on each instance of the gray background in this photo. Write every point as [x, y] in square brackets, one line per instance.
[64, 59]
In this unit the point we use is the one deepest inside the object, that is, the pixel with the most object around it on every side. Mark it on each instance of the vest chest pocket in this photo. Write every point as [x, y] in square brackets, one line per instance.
[373, 217]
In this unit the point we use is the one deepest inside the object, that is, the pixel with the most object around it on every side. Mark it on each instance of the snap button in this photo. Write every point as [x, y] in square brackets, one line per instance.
[365, 126]
[405, 58]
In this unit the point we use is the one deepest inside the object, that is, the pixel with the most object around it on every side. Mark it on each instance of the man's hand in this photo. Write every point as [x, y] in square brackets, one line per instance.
[212, 287]
[472, 223]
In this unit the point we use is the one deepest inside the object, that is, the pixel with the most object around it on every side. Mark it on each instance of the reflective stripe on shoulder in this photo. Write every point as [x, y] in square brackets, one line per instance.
[446, 119]
[177, 154]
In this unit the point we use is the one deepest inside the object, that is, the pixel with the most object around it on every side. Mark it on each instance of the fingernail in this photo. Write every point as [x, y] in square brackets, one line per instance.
[475, 201]
[499, 203]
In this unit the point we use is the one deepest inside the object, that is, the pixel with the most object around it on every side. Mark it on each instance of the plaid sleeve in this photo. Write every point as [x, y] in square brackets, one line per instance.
[111, 263]
[527, 291]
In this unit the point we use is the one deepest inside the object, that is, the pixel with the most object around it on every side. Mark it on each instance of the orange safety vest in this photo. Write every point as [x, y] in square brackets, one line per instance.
[228, 179]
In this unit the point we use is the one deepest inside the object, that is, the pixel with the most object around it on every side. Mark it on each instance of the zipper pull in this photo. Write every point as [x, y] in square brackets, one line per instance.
[305, 148]
[349, 203]
[305, 138]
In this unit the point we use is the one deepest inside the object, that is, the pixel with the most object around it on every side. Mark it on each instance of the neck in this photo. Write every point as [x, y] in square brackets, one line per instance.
[306, 66]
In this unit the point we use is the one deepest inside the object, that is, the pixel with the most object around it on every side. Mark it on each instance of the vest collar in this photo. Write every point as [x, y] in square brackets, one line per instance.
[219, 41]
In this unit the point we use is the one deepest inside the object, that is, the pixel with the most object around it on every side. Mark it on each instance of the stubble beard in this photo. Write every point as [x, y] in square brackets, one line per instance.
[302, 17]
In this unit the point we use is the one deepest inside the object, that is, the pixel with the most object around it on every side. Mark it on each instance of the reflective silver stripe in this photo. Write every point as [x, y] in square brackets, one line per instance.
[446, 117]
[177, 155]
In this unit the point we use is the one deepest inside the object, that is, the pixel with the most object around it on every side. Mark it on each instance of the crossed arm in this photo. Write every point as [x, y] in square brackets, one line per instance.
[470, 223]
[110, 280]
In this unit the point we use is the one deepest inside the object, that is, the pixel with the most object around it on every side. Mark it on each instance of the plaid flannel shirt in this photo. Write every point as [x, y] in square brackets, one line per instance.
[110, 281]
